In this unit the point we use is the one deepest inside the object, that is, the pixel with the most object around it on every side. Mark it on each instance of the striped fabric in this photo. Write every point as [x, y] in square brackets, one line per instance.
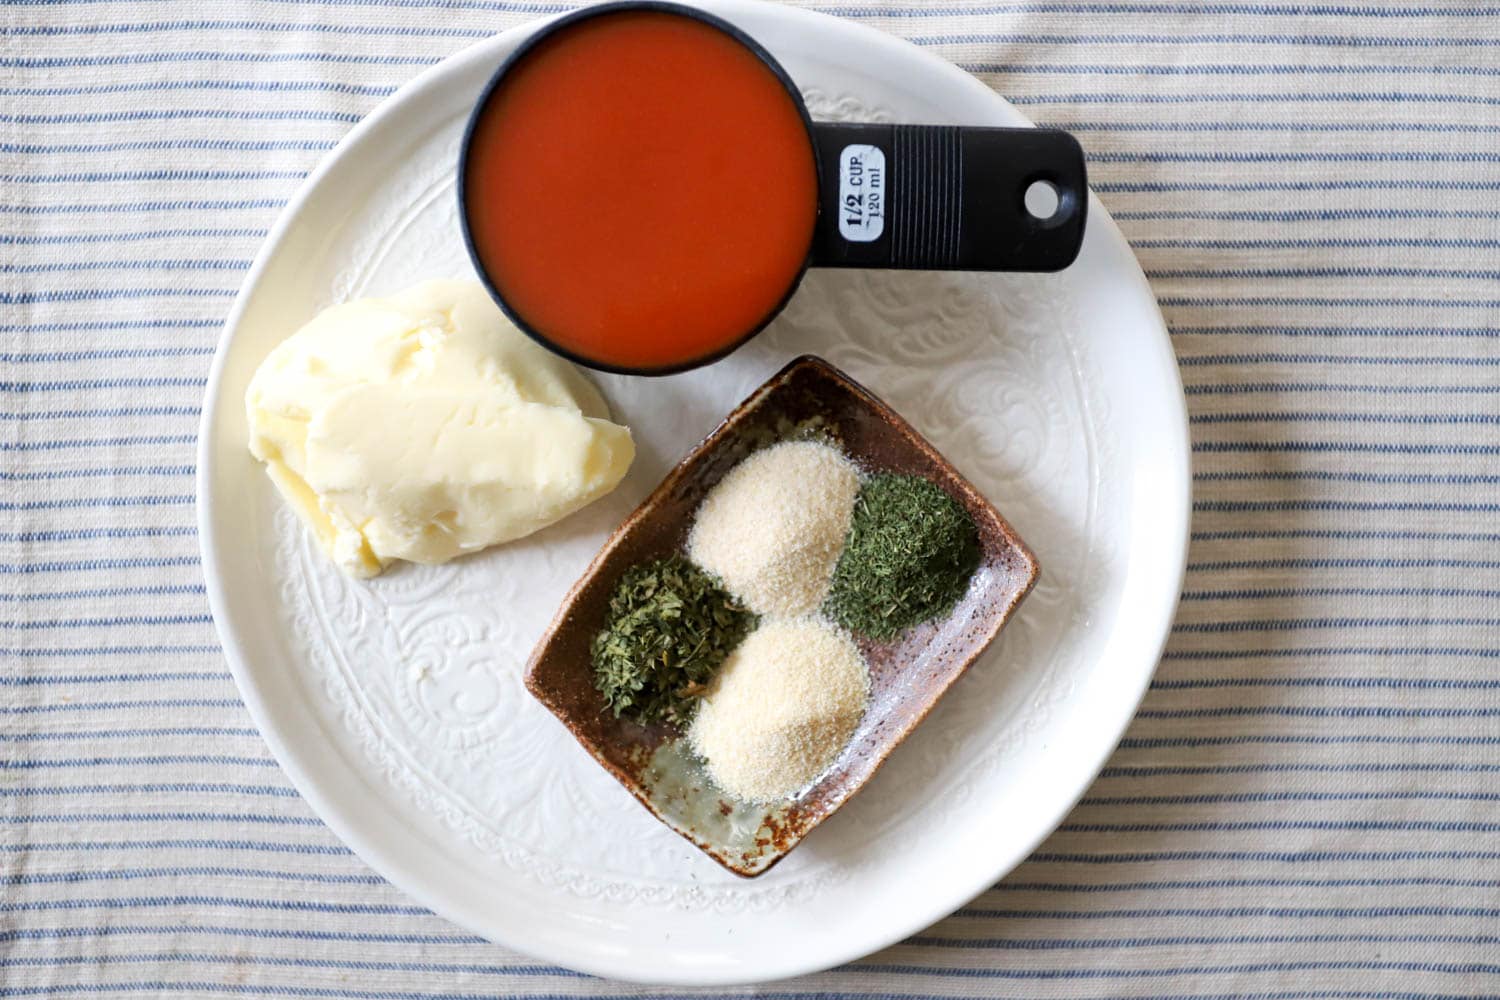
[1307, 804]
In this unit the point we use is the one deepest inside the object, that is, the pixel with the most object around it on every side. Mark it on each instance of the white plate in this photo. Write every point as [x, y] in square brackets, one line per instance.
[397, 707]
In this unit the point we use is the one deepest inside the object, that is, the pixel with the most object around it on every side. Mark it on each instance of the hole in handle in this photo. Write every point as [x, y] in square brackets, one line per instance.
[1041, 200]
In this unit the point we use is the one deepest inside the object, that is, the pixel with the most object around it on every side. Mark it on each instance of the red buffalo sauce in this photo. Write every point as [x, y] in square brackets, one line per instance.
[641, 189]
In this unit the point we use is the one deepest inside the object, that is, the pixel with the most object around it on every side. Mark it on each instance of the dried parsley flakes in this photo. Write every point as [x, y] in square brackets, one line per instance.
[907, 559]
[669, 627]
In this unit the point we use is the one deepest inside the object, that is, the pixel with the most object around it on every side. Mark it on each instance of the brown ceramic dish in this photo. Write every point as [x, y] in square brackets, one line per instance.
[907, 675]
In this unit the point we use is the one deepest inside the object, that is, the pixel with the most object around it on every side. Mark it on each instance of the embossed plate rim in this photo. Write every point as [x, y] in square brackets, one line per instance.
[354, 806]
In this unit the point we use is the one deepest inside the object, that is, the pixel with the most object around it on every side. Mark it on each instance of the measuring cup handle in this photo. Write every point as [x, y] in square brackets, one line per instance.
[949, 198]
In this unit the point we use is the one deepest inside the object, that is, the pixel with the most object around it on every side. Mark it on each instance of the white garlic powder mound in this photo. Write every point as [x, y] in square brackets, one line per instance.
[773, 528]
[782, 706]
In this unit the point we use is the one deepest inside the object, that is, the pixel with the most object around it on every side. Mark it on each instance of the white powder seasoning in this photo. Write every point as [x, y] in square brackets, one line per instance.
[774, 527]
[781, 708]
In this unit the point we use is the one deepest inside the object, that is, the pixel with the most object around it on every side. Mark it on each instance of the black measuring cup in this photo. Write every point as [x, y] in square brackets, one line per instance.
[899, 196]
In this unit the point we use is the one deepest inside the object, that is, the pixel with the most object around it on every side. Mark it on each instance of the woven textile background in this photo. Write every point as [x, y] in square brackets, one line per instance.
[1307, 804]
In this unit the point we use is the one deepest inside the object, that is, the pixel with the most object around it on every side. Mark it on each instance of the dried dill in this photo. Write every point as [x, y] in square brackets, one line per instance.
[908, 557]
[669, 627]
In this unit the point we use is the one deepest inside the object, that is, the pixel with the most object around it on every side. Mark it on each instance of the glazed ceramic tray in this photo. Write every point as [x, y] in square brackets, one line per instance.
[398, 708]
[908, 674]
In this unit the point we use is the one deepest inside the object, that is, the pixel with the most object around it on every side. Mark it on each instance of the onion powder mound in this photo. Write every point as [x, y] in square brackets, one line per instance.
[773, 528]
[781, 708]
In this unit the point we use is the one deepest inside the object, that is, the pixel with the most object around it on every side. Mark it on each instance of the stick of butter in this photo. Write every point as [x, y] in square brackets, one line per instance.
[425, 425]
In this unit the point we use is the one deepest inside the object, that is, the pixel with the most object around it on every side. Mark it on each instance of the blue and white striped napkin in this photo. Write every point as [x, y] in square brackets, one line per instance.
[1307, 804]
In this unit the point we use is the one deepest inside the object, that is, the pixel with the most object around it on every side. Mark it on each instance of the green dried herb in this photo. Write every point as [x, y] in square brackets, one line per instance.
[910, 551]
[669, 627]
